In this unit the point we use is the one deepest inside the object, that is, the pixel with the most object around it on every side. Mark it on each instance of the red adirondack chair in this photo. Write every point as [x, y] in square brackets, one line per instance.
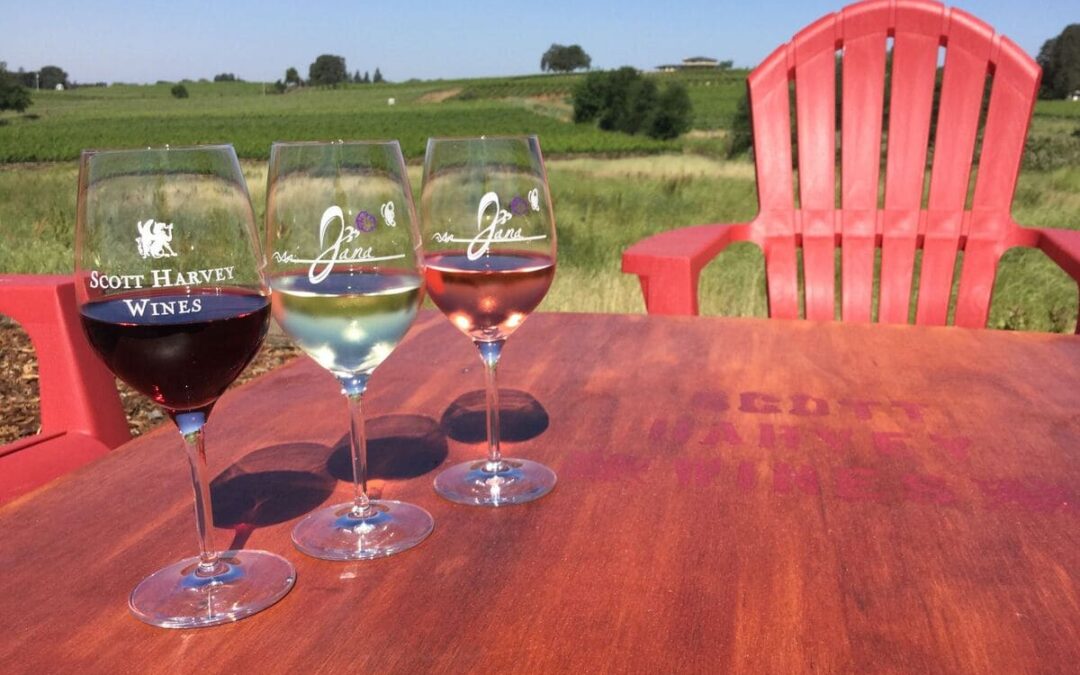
[81, 415]
[668, 264]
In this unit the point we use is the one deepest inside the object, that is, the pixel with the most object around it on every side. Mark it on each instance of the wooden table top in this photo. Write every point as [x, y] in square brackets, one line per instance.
[734, 496]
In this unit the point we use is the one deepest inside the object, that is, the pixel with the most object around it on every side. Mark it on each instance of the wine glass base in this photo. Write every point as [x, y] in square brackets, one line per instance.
[512, 481]
[183, 596]
[338, 533]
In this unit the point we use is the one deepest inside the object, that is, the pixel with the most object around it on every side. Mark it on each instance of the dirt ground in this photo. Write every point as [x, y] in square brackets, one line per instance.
[19, 393]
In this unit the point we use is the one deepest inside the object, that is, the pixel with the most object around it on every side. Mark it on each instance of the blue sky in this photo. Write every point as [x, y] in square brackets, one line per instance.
[148, 41]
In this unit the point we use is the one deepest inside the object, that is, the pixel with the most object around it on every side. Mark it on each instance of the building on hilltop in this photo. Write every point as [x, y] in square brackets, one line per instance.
[691, 63]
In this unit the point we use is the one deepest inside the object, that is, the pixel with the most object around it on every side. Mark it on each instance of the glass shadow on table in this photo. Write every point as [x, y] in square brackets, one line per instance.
[399, 447]
[521, 416]
[270, 486]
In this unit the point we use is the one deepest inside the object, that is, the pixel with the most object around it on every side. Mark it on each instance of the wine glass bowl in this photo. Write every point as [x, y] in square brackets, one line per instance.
[489, 260]
[347, 285]
[171, 293]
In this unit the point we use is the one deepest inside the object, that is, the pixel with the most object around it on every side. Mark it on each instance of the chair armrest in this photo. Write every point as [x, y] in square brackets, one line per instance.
[1063, 247]
[668, 264]
[78, 393]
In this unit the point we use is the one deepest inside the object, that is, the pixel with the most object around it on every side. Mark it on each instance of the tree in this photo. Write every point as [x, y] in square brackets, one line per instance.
[292, 77]
[741, 133]
[590, 97]
[50, 76]
[357, 77]
[28, 79]
[327, 71]
[623, 100]
[674, 113]
[226, 77]
[179, 91]
[13, 96]
[561, 59]
[367, 78]
[633, 100]
[377, 77]
[1060, 61]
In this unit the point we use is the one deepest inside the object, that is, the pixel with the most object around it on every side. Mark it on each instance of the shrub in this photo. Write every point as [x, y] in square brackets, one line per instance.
[1045, 153]
[179, 91]
[674, 113]
[13, 96]
[623, 100]
[741, 133]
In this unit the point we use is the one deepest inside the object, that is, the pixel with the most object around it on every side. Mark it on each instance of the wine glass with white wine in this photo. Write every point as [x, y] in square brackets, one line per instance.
[346, 283]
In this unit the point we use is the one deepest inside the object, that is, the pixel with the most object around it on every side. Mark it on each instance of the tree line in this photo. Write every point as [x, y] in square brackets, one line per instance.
[626, 99]
[1060, 61]
[48, 77]
[328, 70]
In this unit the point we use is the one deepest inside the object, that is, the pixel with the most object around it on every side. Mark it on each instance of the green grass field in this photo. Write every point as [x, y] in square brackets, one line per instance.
[60, 124]
[63, 123]
[609, 189]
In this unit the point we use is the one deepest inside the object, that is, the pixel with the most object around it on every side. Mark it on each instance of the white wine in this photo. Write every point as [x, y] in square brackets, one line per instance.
[349, 322]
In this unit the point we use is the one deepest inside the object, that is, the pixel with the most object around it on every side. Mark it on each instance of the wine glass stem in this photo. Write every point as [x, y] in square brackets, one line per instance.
[204, 517]
[489, 354]
[358, 448]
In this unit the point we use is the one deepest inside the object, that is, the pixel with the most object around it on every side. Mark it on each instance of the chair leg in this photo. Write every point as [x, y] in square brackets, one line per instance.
[672, 291]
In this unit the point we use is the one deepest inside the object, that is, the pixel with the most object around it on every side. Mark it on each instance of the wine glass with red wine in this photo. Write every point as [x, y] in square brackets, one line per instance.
[489, 258]
[170, 287]
[345, 270]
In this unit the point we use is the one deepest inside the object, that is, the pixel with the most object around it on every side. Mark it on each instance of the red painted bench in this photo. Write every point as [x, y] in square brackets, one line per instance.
[825, 218]
[81, 415]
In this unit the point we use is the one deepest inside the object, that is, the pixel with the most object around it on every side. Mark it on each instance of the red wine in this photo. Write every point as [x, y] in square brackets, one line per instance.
[488, 298]
[181, 350]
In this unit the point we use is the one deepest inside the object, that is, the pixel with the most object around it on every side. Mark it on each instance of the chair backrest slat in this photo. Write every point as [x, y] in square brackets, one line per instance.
[815, 107]
[863, 94]
[967, 59]
[815, 113]
[865, 31]
[966, 65]
[1012, 99]
[768, 91]
[911, 98]
[770, 101]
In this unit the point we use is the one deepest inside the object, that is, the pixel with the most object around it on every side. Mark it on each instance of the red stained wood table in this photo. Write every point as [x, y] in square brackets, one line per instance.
[734, 496]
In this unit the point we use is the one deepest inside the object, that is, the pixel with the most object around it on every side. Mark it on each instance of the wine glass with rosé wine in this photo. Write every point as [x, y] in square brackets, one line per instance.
[171, 292]
[489, 259]
[345, 274]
